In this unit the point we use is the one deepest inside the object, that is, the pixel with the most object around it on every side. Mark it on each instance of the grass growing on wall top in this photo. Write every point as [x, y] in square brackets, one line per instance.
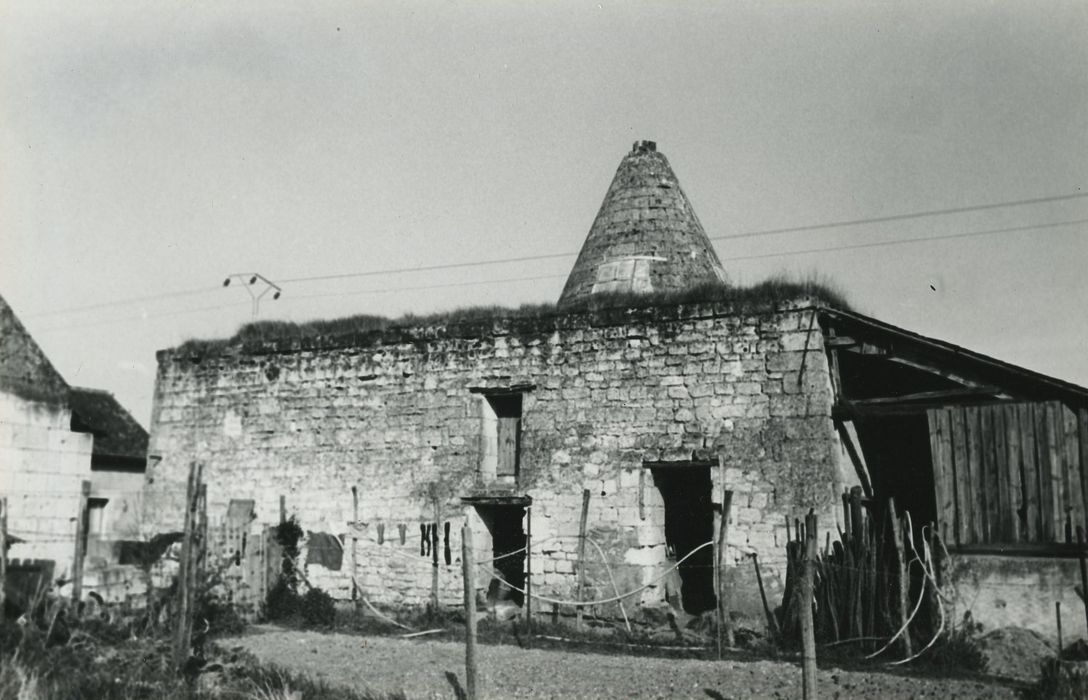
[759, 297]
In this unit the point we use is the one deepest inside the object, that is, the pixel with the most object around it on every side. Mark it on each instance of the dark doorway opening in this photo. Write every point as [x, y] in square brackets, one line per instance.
[897, 452]
[689, 522]
[504, 523]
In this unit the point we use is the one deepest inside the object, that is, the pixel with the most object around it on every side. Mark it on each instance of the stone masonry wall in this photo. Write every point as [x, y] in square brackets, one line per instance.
[393, 414]
[42, 467]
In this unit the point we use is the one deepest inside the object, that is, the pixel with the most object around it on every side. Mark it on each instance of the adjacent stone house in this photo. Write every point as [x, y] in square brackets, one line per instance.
[652, 385]
[54, 437]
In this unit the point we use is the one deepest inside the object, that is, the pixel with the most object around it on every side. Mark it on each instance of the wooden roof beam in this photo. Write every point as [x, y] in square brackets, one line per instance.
[965, 392]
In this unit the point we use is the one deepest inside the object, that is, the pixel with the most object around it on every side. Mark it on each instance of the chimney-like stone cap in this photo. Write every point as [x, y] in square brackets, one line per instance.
[644, 147]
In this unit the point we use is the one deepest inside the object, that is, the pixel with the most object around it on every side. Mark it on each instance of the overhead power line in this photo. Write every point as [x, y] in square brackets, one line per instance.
[386, 290]
[902, 217]
[142, 317]
[551, 256]
[123, 302]
[904, 241]
[750, 234]
[427, 268]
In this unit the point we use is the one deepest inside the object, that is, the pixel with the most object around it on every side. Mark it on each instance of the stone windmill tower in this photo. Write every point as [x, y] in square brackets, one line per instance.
[646, 237]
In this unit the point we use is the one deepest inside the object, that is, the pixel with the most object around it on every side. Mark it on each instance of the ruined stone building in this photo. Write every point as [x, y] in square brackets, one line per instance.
[654, 385]
[53, 437]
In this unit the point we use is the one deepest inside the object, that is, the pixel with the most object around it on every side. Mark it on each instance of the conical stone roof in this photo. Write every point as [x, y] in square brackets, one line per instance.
[646, 237]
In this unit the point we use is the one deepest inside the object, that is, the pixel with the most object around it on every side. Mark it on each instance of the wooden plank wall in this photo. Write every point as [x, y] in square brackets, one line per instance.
[1010, 473]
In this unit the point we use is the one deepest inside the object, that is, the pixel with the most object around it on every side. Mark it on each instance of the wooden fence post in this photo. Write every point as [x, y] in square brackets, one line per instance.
[355, 546]
[582, 556]
[1058, 617]
[434, 557]
[772, 623]
[81, 543]
[183, 624]
[901, 573]
[468, 568]
[3, 551]
[283, 509]
[1082, 556]
[808, 632]
[723, 590]
[200, 541]
[529, 575]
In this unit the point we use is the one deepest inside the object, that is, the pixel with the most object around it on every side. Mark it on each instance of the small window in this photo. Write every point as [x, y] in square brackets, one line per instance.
[500, 433]
[96, 516]
[94, 523]
[508, 413]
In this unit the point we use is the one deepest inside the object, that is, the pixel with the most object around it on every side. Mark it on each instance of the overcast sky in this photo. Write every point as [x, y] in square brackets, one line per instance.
[154, 148]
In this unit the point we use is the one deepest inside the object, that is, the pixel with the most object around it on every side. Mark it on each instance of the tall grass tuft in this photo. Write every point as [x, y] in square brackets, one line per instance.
[759, 297]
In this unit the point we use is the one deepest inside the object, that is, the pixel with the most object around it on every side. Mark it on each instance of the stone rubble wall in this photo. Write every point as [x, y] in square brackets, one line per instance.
[392, 413]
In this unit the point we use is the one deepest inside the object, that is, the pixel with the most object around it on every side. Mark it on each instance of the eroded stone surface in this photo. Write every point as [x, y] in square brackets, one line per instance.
[394, 414]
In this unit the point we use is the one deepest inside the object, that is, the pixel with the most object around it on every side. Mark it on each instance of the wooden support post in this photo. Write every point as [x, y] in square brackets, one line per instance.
[468, 567]
[355, 544]
[860, 467]
[1082, 555]
[3, 552]
[529, 575]
[582, 556]
[901, 574]
[772, 623]
[833, 365]
[283, 509]
[434, 557]
[716, 548]
[183, 626]
[935, 565]
[81, 544]
[641, 494]
[857, 522]
[808, 632]
[1058, 617]
[722, 589]
[200, 543]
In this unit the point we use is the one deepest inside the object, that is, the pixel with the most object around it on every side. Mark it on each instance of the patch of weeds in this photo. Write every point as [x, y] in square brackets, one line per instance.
[282, 601]
[317, 608]
[959, 649]
[215, 609]
[269, 682]
[1056, 683]
[101, 663]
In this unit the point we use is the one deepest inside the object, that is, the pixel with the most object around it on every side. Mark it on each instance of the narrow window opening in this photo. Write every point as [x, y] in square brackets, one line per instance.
[507, 410]
[94, 526]
[96, 517]
[500, 434]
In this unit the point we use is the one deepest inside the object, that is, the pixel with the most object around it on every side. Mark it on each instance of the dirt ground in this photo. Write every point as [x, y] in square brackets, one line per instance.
[435, 669]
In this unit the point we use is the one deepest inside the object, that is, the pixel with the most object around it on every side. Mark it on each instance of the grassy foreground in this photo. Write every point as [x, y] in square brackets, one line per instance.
[100, 661]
